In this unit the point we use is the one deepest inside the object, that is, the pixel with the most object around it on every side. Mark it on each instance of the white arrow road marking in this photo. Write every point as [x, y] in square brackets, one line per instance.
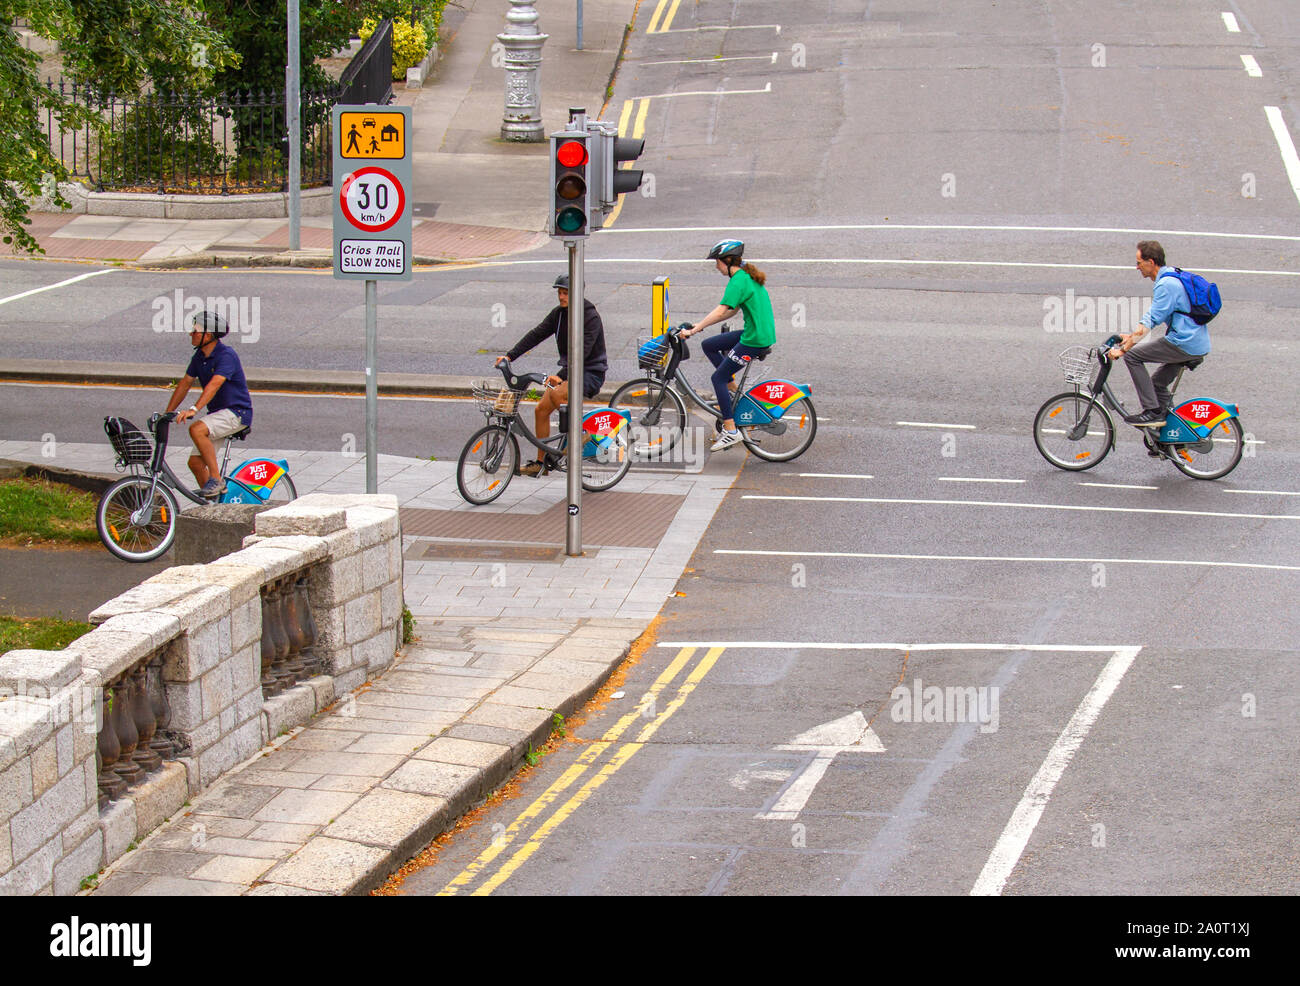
[849, 734]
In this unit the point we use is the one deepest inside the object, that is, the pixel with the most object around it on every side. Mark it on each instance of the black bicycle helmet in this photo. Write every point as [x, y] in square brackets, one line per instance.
[727, 250]
[208, 321]
[562, 282]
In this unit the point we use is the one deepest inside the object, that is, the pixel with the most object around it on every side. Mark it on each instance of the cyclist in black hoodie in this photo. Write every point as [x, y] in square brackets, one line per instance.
[594, 361]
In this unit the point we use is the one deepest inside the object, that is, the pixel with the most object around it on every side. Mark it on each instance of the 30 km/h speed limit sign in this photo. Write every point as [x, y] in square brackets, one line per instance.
[372, 199]
[372, 192]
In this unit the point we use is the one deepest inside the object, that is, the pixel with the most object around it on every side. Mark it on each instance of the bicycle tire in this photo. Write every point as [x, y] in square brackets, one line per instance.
[803, 418]
[598, 475]
[1186, 464]
[481, 480]
[132, 542]
[638, 396]
[290, 491]
[1080, 458]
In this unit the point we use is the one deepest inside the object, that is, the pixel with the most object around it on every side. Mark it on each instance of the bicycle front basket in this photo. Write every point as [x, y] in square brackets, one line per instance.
[130, 443]
[652, 353]
[493, 398]
[1077, 365]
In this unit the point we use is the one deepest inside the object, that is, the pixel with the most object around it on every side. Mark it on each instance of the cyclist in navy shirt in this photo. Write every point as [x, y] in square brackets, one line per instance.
[225, 396]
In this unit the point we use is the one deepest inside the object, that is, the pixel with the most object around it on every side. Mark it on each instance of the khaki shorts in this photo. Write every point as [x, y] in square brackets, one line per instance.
[222, 424]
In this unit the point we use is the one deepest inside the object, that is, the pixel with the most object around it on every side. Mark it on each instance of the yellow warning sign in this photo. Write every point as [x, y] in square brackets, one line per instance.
[372, 136]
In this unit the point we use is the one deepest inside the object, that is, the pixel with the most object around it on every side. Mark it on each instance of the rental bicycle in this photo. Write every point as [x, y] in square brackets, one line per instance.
[490, 459]
[776, 418]
[136, 517]
[1074, 430]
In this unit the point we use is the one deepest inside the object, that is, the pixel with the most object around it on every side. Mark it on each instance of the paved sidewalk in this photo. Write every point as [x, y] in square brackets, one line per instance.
[474, 195]
[504, 644]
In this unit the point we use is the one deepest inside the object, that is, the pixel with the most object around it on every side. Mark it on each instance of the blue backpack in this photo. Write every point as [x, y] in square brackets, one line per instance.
[1203, 295]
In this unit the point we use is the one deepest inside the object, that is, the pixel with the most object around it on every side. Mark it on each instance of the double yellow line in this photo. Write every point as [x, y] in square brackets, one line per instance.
[656, 27]
[487, 862]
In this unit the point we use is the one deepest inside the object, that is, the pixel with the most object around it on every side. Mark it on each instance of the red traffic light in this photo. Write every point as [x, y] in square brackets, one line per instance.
[571, 154]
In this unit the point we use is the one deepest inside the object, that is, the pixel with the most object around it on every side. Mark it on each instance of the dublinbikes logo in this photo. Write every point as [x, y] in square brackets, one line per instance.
[175, 313]
[1102, 315]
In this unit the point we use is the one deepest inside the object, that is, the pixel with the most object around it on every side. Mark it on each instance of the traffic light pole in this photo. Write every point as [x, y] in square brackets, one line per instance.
[577, 350]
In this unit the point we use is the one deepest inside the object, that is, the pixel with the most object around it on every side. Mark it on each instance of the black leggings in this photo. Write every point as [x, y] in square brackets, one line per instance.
[724, 352]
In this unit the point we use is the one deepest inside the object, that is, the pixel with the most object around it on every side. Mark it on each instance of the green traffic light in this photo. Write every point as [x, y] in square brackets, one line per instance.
[570, 220]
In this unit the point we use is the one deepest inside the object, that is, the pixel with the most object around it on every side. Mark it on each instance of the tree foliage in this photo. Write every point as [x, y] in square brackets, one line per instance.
[116, 44]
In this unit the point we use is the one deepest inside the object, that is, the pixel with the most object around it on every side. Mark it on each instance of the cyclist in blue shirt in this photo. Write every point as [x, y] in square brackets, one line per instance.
[225, 396]
[1184, 340]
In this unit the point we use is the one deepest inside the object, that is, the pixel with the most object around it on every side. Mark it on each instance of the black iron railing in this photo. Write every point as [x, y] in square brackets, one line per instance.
[222, 144]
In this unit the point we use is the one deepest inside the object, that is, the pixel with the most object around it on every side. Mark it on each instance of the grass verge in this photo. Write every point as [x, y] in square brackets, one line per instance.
[35, 511]
[19, 633]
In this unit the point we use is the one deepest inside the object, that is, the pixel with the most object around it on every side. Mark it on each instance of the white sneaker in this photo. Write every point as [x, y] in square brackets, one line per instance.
[725, 440]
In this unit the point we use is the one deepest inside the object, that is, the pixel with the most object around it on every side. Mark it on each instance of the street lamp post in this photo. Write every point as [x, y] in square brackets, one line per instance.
[522, 42]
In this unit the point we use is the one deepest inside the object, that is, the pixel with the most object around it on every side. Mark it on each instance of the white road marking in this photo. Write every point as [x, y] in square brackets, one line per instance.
[974, 479]
[1230, 22]
[1289, 157]
[932, 424]
[1120, 486]
[828, 475]
[1011, 844]
[708, 92]
[1252, 66]
[881, 261]
[824, 645]
[51, 287]
[849, 734]
[1024, 506]
[967, 227]
[1265, 492]
[722, 27]
[714, 61]
[1006, 558]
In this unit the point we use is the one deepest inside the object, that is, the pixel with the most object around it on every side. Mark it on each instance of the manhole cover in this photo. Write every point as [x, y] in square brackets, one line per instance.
[481, 551]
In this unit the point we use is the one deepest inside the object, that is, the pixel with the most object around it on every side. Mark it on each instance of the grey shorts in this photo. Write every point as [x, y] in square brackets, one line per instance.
[222, 424]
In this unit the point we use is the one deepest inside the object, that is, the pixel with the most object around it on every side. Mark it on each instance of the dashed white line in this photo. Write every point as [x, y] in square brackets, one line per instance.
[1120, 486]
[1022, 506]
[1265, 492]
[1230, 22]
[974, 479]
[51, 287]
[1289, 157]
[1252, 66]
[828, 475]
[932, 424]
[1018, 559]
[708, 92]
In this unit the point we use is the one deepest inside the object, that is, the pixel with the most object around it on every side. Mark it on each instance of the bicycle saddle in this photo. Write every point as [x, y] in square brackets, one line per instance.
[1193, 364]
[242, 434]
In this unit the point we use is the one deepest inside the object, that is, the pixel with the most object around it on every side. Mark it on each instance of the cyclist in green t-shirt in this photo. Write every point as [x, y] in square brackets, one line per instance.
[726, 351]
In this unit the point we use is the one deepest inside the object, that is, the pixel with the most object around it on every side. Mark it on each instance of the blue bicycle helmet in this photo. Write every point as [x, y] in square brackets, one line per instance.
[726, 250]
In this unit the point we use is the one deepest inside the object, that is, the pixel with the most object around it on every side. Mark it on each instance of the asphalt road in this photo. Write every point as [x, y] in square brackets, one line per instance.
[944, 197]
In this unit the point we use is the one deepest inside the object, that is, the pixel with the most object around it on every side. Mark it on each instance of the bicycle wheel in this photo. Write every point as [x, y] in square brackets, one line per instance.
[786, 438]
[654, 432]
[486, 465]
[604, 469]
[1222, 452]
[283, 491]
[1062, 437]
[132, 524]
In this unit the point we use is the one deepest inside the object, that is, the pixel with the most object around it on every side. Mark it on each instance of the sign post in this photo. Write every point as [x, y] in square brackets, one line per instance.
[372, 225]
